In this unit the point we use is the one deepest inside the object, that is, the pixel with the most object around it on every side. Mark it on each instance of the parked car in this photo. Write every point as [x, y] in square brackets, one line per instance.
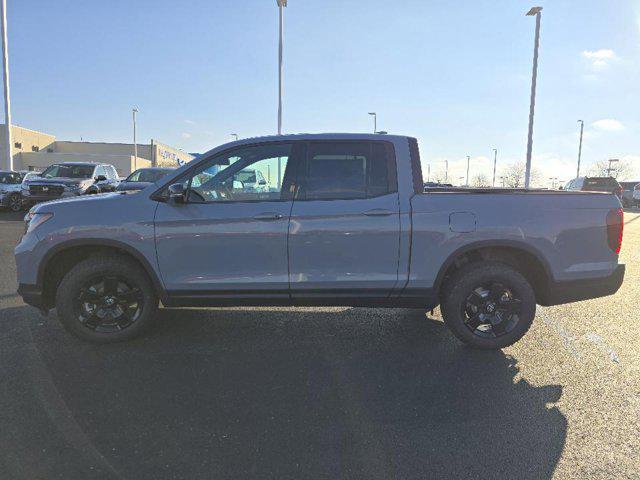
[628, 189]
[252, 180]
[70, 179]
[142, 178]
[595, 184]
[636, 195]
[10, 187]
[429, 185]
[350, 225]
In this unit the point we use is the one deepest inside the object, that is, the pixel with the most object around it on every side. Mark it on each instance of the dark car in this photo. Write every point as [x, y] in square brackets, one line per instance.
[142, 178]
[70, 179]
[628, 190]
[595, 184]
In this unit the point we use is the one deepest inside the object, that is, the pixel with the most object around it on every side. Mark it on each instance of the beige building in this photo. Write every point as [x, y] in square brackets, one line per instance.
[33, 150]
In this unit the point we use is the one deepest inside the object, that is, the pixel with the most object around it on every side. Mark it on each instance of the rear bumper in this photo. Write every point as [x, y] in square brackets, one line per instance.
[575, 290]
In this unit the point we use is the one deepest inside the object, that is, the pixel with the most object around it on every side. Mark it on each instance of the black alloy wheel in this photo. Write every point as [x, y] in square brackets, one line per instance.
[109, 304]
[491, 310]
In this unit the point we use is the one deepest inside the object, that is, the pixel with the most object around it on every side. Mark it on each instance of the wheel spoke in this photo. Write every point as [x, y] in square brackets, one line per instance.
[89, 296]
[129, 297]
[474, 321]
[511, 307]
[496, 291]
[110, 286]
[499, 328]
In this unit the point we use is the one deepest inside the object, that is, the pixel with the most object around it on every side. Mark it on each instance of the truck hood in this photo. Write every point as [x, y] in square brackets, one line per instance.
[99, 200]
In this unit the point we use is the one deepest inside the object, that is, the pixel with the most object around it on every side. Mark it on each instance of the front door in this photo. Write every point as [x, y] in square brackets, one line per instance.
[229, 238]
[345, 227]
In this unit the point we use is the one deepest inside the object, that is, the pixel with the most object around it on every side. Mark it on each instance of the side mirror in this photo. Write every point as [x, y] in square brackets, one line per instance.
[177, 192]
[262, 182]
[101, 178]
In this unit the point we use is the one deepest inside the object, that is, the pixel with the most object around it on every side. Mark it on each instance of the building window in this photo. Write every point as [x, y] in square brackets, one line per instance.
[35, 148]
[17, 145]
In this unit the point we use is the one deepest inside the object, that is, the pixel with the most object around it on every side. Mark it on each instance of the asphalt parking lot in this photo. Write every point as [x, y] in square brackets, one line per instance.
[322, 393]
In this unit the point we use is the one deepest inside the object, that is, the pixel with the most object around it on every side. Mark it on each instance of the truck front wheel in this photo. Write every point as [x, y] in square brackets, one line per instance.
[106, 299]
[488, 305]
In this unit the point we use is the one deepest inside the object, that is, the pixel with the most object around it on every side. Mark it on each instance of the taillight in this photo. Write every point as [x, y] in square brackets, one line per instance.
[615, 226]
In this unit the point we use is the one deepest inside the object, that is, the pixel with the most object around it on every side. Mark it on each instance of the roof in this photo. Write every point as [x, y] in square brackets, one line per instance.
[306, 136]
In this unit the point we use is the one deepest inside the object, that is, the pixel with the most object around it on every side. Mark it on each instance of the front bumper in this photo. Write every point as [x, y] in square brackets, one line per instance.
[32, 295]
[558, 293]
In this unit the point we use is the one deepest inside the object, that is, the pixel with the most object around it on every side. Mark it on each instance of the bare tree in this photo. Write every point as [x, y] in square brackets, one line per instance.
[514, 175]
[621, 170]
[481, 180]
[438, 176]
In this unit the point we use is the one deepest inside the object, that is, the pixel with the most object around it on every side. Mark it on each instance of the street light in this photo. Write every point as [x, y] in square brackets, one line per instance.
[611, 160]
[446, 171]
[461, 179]
[135, 145]
[235, 135]
[468, 161]
[281, 5]
[495, 162]
[580, 146]
[375, 121]
[7, 99]
[428, 171]
[535, 11]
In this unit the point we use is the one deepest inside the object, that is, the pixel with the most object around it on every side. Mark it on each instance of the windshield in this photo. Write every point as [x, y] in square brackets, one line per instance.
[69, 171]
[146, 175]
[8, 178]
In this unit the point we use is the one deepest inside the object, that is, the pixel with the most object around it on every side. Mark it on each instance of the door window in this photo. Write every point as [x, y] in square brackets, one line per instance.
[348, 170]
[255, 173]
[99, 171]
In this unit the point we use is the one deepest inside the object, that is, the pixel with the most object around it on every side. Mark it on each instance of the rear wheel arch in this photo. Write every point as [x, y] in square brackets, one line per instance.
[525, 259]
[59, 261]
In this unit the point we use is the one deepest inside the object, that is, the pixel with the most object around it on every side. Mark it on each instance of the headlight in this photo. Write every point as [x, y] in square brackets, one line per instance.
[33, 220]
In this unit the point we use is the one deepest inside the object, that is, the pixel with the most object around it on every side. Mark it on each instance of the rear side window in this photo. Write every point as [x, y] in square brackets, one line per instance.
[348, 170]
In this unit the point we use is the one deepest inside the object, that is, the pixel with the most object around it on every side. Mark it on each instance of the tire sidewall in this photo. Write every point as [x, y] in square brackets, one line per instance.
[469, 278]
[93, 267]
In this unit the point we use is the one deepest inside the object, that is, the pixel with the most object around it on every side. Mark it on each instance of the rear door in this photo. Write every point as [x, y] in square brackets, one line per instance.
[344, 230]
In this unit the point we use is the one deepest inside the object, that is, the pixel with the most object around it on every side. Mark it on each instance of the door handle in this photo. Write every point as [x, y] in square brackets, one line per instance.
[268, 216]
[378, 212]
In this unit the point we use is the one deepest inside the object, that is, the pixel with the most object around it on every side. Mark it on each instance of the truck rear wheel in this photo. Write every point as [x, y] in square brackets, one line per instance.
[488, 305]
[106, 299]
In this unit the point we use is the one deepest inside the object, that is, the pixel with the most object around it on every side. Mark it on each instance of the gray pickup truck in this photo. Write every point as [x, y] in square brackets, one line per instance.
[345, 221]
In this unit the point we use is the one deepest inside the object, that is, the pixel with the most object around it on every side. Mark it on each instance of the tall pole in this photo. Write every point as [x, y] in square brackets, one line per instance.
[428, 171]
[135, 145]
[7, 97]
[235, 136]
[580, 146]
[468, 161]
[446, 171]
[532, 105]
[281, 5]
[375, 121]
[495, 163]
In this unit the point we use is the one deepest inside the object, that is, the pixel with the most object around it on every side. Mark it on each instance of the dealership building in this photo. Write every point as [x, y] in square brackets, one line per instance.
[32, 150]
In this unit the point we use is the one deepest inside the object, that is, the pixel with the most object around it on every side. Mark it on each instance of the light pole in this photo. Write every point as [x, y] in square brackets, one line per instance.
[468, 161]
[428, 171]
[135, 145]
[461, 179]
[535, 11]
[281, 5]
[580, 146]
[375, 121]
[495, 163]
[446, 171]
[611, 160]
[235, 135]
[7, 98]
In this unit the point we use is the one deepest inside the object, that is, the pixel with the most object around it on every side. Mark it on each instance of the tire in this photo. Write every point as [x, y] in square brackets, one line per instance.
[83, 294]
[464, 304]
[15, 202]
